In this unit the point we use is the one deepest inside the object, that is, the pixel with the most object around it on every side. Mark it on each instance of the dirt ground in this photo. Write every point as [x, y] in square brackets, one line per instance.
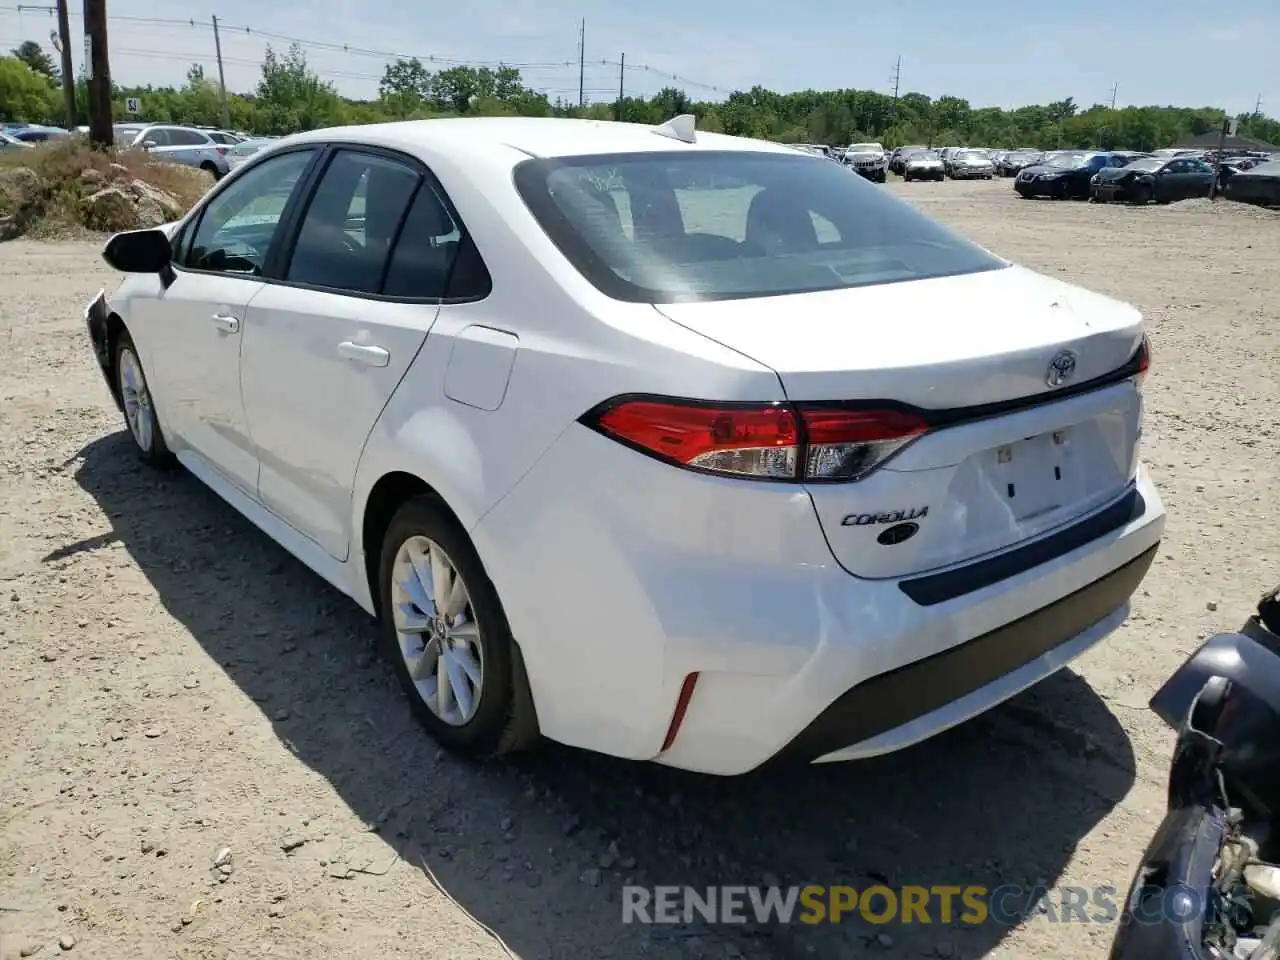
[173, 686]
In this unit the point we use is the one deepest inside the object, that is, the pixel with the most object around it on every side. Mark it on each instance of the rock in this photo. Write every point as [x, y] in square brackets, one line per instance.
[946, 949]
[109, 210]
[1212, 605]
[151, 733]
[30, 949]
[147, 846]
[506, 824]
[66, 941]
[291, 843]
[609, 857]
[92, 178]
[21, 187]
[591, 877]
[119, 169]
[884, 940]
[222, 857]
[572, 825]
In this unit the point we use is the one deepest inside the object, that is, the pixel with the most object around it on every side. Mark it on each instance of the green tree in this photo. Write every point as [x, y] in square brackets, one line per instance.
[292, 96]
[405, 87]
[25, 96]
[33, 55]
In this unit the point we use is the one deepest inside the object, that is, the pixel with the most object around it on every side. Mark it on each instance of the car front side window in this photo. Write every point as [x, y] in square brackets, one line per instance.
[236, 227]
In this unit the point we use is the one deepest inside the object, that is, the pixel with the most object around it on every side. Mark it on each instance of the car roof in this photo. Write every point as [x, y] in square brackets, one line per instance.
[532, 136]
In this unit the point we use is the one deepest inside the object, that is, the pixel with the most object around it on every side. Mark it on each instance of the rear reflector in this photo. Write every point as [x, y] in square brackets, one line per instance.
[1144, 357]
[764, 442]
[682, 707]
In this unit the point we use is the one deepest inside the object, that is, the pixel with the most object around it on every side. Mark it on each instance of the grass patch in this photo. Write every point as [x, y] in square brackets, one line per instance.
[64, 187]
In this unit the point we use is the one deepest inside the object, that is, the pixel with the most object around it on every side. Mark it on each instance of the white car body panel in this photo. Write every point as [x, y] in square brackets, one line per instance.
[759, 588]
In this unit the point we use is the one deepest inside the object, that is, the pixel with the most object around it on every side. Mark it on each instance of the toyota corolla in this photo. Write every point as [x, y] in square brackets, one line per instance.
[605, 425]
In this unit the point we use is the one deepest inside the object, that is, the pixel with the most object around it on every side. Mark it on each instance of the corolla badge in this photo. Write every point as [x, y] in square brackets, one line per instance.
[1061, 369]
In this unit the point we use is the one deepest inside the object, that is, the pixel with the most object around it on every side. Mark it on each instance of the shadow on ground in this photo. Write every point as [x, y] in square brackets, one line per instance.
[556, 833]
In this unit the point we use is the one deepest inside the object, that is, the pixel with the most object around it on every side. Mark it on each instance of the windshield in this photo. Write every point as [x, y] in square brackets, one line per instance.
[721, 225]
[126, 135]
[866, 148]
[923, 155]
[1146, 165]
[1068, 160]
[972, 156]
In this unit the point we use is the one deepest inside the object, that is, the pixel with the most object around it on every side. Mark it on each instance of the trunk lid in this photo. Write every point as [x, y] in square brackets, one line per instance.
[989, 478]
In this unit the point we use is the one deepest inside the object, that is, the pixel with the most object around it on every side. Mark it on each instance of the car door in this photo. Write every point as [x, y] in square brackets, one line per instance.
[326, 347]
[191, 332]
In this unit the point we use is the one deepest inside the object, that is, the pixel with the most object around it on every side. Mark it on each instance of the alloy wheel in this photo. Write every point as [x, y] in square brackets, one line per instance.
[136, 400]
[439, 638]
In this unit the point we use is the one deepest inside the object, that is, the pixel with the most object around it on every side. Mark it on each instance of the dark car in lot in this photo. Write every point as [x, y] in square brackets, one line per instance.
[1258, 185]
[1009, 163]
[1162, 179]
[1064, 175]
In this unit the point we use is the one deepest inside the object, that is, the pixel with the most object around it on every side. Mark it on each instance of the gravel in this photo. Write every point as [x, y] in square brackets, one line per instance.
[157, 717]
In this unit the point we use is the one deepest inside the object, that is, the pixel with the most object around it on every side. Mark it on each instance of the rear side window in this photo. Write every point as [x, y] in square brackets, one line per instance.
[716, 225]
[186, 138]
[426, 250]
[352, 222]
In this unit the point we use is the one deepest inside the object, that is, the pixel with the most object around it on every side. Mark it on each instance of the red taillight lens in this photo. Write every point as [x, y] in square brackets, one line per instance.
[1144, 357]
[222, 151]
[749, 441]
[766, 442]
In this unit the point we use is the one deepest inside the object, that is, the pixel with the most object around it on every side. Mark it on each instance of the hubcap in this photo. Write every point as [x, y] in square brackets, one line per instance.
[136, 399]
[437, 632]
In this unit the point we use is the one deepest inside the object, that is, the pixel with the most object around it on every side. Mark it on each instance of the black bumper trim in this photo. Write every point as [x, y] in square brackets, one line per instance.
[892, 699]
[937, 588]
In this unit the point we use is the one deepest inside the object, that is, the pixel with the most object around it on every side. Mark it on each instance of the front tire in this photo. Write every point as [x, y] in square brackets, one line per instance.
[139, 408]
[447, 638]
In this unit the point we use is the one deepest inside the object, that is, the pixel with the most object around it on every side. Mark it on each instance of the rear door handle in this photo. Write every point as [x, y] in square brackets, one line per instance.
[364, 353]
[226, 323]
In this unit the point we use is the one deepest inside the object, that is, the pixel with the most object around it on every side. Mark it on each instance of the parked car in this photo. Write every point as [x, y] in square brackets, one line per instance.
[242, 151]
[868, 159]
[1152, 178]
[9, 143]
[40, 134]
[898, 158]
[1258, 185]
[1208, 885]
[923, 165]
[1014, 161]
[224, 137]
[1063, 175]
[971, 165]
[175, 144]
[478, 372]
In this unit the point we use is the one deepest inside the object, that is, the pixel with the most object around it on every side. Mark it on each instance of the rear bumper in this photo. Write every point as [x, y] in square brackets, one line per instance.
[668, 573]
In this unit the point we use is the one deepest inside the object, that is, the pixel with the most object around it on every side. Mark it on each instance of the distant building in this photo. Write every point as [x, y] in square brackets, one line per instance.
[1209, 141]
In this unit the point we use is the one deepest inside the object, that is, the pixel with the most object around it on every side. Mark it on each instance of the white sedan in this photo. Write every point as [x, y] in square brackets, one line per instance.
[605, 424]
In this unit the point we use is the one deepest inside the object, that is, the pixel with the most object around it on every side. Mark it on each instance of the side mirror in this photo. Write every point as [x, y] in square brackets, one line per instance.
[139, 251]
[149, 144]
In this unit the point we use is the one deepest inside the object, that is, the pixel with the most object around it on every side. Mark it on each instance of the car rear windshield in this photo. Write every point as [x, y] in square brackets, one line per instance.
[1068, 160]
[722, 225]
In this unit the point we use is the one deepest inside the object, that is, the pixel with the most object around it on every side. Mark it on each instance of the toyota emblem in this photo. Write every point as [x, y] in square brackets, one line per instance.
[1061, 369]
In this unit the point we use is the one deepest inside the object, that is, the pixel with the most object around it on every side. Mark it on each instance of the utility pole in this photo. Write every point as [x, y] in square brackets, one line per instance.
[99, 69]
[582, 63]
[1114, 87]
[1222, 146]
[897, 75]
[68, 67]
[622, 75]
[222, 78]
[1257, 106]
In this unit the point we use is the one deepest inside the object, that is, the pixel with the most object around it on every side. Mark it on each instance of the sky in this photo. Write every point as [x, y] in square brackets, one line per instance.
[990, 52]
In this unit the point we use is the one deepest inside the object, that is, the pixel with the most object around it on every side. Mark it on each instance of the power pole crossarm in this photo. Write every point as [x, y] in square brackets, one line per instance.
[222, 78]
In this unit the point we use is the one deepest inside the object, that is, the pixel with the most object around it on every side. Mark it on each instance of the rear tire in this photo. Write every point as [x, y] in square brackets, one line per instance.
[458, 663]
[138, 405]
[1143, 194]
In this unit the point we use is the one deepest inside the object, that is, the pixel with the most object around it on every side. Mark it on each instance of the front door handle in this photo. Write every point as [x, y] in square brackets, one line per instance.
[364, 353]
[226, 323]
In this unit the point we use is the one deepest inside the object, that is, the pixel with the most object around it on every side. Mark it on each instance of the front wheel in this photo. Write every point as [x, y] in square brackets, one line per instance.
[1143, 194]
[446, 636]
[139, 408]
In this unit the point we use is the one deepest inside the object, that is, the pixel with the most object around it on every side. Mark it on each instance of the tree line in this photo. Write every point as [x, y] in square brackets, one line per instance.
[290, 96]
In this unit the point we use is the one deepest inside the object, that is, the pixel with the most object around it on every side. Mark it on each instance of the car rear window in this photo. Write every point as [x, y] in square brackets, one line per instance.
[721, 225]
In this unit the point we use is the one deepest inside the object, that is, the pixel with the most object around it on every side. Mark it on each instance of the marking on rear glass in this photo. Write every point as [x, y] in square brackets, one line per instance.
[1011, 490]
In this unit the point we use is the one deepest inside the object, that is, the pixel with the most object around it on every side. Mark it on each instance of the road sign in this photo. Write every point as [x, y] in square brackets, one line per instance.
[133, 105]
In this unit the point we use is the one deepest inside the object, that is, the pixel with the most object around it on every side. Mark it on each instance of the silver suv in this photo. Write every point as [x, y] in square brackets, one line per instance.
[176, 144]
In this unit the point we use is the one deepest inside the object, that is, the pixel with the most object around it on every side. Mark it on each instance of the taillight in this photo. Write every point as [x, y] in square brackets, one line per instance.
[222, 151]
[773, 441]
[1144, 358]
